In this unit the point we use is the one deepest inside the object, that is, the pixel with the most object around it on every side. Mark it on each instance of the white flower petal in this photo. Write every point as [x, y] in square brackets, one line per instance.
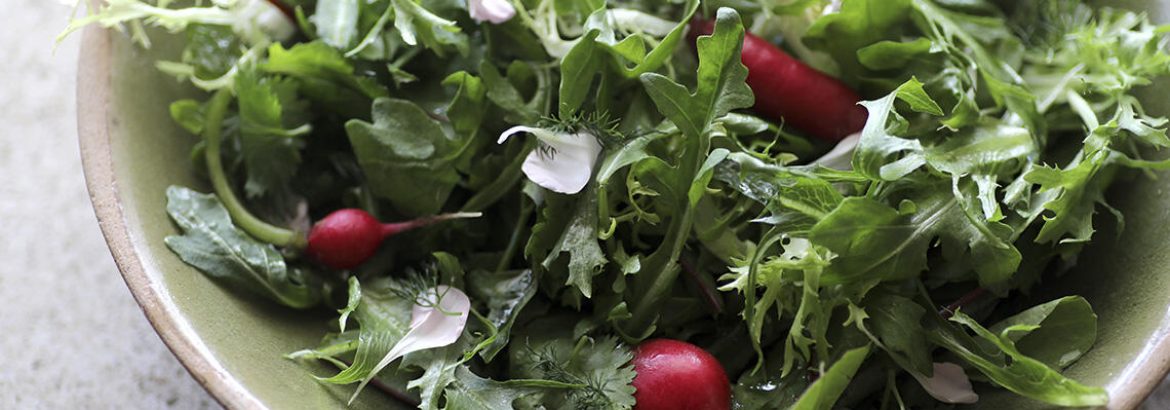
[841, 157]
[430, 326]
[949, 384]
[258, 19]
[565, 165]
[494, 11]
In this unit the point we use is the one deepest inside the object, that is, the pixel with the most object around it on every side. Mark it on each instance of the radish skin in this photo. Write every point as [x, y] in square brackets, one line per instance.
[790, 91]
[348, 237]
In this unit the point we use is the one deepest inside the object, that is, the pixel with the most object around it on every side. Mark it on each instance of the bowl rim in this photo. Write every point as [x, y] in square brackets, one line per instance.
[1137, 380]
[94, 119]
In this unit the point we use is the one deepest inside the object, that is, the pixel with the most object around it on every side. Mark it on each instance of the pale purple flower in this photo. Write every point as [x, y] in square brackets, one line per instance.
[493, 11]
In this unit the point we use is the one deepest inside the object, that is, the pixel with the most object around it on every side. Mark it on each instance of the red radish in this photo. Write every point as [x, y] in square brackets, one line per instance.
[787, 89]
[346, 238]
[675, 375]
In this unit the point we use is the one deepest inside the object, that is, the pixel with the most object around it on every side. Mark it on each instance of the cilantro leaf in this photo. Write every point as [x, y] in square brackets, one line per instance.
[271, 152]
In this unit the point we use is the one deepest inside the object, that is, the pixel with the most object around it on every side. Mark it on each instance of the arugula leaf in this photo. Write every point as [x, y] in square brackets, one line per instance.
[720, 89]
[1004, 364]
[721, 77]
[824, 392]
[439, 368]
[217, 248]
[406, 157]
[505, 294]
[896, 328]
[579, 240]
[467, 108]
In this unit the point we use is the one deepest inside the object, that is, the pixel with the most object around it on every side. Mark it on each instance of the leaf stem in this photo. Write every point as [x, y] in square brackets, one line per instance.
[212, 136]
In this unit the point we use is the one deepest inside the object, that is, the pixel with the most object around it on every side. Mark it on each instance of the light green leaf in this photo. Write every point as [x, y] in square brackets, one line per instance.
[1065, 329]
[721, 77]
[823, 393]
[1011, 369]
[336, 22]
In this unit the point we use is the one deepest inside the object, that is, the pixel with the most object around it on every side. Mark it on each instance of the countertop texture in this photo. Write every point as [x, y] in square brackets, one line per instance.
[71, 335]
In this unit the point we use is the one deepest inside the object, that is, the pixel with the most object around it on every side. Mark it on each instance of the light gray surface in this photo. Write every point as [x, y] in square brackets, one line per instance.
[71, 335]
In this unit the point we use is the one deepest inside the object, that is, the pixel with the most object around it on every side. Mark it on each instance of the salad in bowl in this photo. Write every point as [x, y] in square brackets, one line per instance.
[662, 204]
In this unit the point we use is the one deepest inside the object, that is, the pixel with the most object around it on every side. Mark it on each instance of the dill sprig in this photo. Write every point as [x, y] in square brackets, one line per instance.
[422, 288]
[547, 363]
[599, 124]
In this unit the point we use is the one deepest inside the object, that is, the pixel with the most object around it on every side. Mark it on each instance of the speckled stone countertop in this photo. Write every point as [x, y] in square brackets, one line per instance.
[71, 335]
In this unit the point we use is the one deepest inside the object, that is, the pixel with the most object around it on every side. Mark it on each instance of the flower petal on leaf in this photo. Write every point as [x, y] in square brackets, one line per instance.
[949, 384]
[564, 164]
[437, 320]
[493, 11]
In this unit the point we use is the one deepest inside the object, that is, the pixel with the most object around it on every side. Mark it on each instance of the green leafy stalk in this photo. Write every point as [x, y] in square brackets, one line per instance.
[212, 136]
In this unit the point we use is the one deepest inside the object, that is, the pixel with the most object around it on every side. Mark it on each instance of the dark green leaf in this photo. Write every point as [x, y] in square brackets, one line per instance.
[213, 245]
[406, 157]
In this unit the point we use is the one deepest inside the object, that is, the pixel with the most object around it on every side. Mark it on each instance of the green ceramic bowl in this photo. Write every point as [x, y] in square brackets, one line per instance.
[233, 345]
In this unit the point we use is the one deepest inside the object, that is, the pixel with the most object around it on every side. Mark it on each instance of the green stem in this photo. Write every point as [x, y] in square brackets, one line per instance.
[654, 288]
[212, 136]
[514, 241]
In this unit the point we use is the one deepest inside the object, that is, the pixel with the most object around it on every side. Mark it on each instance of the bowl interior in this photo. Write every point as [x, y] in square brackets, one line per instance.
[234, 344]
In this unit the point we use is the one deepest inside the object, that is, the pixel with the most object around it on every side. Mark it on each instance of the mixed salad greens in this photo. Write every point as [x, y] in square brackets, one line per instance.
[591, 177]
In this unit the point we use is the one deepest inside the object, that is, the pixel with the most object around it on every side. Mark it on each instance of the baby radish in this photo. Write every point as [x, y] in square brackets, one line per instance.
[673, 375]
[348, 237]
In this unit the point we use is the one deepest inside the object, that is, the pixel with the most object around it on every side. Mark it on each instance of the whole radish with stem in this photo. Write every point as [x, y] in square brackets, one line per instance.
[348, 237]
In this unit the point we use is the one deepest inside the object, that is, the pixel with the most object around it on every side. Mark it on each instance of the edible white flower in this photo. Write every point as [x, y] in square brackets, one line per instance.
[437, 320]
[841, 157]
[260, 18]
[564, 164]
[949, 384]
[494, 11]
